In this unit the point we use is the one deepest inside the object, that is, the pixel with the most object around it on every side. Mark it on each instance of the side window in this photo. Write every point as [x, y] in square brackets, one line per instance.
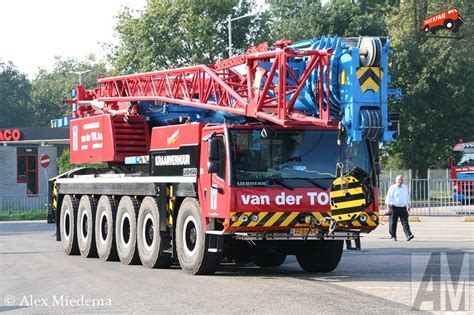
[21, 168]
[222, 158]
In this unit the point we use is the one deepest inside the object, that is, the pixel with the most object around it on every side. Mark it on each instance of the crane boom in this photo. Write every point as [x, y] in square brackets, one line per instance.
[240, 86]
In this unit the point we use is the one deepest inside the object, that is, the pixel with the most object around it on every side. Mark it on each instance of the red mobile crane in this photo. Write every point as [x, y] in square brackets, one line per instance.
[243, 159]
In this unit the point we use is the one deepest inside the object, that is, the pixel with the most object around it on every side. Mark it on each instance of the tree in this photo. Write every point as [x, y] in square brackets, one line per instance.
[50, 88]
[184, 33]
[435, 74]
[298, 20]
[14, 97]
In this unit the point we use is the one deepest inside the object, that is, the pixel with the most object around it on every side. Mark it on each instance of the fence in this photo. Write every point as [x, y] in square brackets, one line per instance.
[16, 203]
[435, 196]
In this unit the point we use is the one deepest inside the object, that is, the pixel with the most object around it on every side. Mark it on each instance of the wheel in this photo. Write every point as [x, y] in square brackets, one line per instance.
[67, 225]
[320, 256]
[269, 258]
[426, 29]
[85, 226]
[105, 228]
[149, 242]
[126, 231]
[193, 254]
[449, 24]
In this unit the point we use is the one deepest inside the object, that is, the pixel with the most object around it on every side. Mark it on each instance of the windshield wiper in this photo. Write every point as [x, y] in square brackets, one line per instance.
[281, 182]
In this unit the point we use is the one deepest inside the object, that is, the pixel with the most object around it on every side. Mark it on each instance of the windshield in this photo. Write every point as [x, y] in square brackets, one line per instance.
[291, 154]
[463, 158]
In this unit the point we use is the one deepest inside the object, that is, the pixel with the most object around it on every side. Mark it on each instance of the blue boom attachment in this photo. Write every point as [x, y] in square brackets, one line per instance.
[359, 78]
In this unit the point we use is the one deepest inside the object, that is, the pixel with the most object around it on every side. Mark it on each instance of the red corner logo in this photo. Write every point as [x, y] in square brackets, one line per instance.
[448, 19]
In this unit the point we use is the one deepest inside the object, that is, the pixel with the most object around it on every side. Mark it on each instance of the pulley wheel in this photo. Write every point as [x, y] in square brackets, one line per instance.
[371, 52]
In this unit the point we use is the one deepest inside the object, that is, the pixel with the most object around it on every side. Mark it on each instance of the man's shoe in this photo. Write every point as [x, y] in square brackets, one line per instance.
[409, 238]
[394, 238]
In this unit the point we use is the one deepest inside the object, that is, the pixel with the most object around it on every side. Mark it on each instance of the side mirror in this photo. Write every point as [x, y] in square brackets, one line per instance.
[213, 167]
[213, 149]
[450, 161]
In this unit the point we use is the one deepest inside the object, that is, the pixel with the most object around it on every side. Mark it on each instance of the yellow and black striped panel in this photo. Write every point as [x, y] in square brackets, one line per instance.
[370, 78]
[348, 200]
[272, 219]
[370, 219]
[295, 219]
[54, 197]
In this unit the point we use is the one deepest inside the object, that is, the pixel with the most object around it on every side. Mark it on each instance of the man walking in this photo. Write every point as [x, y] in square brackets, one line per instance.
[398, 204]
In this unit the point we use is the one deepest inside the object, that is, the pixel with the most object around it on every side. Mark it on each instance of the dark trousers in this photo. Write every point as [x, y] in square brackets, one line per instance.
[402, 213]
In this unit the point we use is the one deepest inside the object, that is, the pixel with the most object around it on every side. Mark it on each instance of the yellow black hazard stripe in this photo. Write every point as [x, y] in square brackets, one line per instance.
[266, 219]
[294, 219]
[348, 199]
[366, 219]
[54, 197]
[370, 78]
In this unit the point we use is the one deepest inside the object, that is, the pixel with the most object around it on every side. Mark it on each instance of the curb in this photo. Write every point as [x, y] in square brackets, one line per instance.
[412, 218]
[469, 218]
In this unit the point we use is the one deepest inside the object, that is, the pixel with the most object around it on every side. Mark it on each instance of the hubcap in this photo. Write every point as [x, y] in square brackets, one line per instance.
[125, 230]
[84, 225]
[149, 232]
[104, 227]
[190, 236]
[67, 224]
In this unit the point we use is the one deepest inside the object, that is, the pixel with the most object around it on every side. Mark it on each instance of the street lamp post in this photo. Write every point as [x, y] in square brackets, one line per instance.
[80, 73]
[229, 27]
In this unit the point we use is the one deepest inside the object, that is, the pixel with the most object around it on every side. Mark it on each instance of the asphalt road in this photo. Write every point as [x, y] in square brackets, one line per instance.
[37, 277]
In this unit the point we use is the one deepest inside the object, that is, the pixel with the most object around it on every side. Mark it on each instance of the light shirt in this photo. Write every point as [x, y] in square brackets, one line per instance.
[398, 196]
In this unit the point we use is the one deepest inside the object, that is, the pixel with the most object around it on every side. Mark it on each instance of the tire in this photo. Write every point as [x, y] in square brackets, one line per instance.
[67, 225]
[126, 231]
[320, 256]
[426, 29]
[105, 229]
[269, 258]
[191, 247]
[149, 242]
[85, 226]
[449, 24]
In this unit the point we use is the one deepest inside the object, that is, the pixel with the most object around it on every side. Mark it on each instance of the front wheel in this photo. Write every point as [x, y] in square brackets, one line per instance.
[193, 254]
[320, 256]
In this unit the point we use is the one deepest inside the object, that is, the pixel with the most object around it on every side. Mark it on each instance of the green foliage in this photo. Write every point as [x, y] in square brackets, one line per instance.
[181, 33]
[298, 20]
[50, 88]
[35, 214]
[65, 165]
[14, 97]
[435, 74]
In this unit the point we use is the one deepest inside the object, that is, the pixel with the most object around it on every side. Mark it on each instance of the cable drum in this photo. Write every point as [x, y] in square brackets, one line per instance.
[371, 123]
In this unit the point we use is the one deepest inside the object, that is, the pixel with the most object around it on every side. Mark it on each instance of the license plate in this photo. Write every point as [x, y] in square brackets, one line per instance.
[303, 231]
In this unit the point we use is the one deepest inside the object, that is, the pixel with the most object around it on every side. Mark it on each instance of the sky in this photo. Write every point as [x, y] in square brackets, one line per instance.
[32, 32]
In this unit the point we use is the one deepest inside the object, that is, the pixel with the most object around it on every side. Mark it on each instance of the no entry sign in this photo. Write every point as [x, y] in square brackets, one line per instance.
[45, 160]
